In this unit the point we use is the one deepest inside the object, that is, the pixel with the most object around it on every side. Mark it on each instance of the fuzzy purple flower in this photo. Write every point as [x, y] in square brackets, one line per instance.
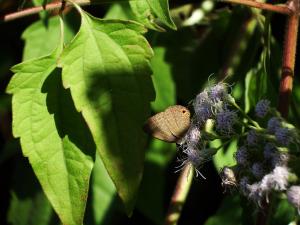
[262, 108]
[242, 156]
[273, 124]
[202, 97]
[196, 158]
[252, 138]
[243, 185]
[270, 151]
[257, 170]
[280, 159]
[284, 136]
[193, 136]
[225, 121]
[276, 180]
[203, 110]
[256, 193]
[293, 196]
[218, 92]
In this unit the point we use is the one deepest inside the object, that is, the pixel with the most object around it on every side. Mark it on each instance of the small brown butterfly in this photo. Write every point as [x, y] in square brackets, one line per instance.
[169, 125]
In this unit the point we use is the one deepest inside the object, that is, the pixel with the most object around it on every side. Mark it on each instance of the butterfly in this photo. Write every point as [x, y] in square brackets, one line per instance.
[169, 125]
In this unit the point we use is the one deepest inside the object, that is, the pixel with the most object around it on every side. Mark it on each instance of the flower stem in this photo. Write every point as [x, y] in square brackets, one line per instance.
[246, 116]
[179, 195]
[283, 9]
[288, 63]
[48, 7]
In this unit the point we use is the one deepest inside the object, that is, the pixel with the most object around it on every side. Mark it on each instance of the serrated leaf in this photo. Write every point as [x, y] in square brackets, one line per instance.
[144, 15]
[40, 40]
[107, 69]
[53, 136]
[147, 10]
[161, 9]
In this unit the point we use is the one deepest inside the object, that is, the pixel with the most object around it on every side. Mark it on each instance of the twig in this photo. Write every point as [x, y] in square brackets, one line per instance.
[47, 7]
[283, 9]
[288, 62]
[292, 9]
[287, 75]
[179, 195]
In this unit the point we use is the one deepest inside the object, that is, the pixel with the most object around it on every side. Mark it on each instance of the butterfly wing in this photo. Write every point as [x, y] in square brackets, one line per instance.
[158, 128]
[178, 119]
[166, 125]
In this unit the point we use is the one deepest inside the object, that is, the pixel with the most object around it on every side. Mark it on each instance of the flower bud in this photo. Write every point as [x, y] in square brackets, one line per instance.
[262, 108]
[242, 156]
[225, 121]
[273, 124]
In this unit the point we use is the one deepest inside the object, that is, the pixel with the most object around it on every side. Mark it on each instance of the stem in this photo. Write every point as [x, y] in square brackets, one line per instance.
[179, 195]
[47, 7]
[288, 63]
[283, 9]
[286, 83]
[246, 116]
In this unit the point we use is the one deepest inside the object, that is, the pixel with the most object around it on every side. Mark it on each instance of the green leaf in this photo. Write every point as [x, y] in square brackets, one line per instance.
[224, 157]
[120, 11]
[163, 81]
[28, 203]
[107, 69]
[284, 213]
[188, 56]
[151, 197]
[256, 86]
[100, 208]
[53, 136]
[40, 40]
[43, 14]
[147, 10]
[229, 213]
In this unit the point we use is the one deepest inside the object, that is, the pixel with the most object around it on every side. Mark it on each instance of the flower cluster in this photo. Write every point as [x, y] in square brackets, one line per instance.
[265, 147]
[263, 157]
[211, 104]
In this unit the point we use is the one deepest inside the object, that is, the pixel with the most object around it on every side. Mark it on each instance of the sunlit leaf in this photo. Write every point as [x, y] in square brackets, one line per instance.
[147, 11]
[163, 81]
[224, 157]
[41, 39]
[107, 69]
[53, 136]
[119, 11]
